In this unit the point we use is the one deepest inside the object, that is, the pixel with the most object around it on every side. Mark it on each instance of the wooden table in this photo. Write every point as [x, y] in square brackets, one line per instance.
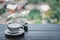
[35, 32]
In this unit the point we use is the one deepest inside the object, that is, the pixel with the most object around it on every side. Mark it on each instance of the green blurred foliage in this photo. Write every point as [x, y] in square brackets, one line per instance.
[34, 1]
[55, 7]
[34, 14]
[2, 11]
[38, 21]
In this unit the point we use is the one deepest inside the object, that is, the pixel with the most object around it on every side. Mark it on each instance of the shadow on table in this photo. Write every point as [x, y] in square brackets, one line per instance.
[20, 37]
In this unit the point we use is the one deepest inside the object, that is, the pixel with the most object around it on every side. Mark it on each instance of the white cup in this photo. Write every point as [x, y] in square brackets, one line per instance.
[14, 27]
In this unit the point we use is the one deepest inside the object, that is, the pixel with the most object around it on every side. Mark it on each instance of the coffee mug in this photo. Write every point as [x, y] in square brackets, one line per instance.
[14, 27]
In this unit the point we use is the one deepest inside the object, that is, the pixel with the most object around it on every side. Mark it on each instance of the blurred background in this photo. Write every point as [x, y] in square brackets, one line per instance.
[31, 11]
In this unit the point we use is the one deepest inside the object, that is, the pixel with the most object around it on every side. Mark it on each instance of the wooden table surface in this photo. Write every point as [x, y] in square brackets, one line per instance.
[35, 32]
